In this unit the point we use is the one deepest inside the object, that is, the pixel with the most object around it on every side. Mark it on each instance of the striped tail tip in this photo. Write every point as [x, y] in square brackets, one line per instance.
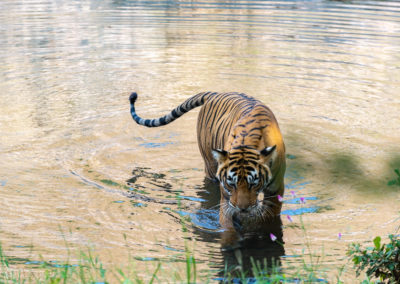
[132, 98]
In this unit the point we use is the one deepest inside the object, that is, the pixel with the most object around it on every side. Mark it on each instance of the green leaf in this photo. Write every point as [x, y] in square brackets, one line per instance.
[356, 260]
[377, 243]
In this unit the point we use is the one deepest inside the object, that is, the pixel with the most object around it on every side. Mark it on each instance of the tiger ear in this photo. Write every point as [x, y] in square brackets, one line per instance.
[268, 154]
[219, 155]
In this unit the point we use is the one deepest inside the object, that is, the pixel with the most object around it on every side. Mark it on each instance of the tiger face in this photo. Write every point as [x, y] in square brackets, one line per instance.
[244, 175]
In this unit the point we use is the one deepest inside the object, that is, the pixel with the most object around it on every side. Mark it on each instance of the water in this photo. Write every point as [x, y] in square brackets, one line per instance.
[77, 172]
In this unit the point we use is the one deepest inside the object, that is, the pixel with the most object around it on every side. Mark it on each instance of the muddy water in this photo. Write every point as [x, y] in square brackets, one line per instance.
[77, 172]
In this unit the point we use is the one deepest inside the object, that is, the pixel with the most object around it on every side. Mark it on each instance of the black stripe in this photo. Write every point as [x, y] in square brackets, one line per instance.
[244, 147]
[204, 97]
[249, 169]
[258, 128]
[162, 120]
[215, 105]
[239, 161]
[182, 109]
[254, 134]
[218, 130]
[260, 114]
[212, 105]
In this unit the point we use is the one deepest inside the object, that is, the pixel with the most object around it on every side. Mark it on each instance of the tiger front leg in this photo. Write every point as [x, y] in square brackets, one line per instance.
[230, 236]
[230, 240]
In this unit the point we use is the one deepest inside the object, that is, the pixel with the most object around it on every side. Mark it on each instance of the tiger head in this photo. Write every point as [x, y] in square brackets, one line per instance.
[244, 174]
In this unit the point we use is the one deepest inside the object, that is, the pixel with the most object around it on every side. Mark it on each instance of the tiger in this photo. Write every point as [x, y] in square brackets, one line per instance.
[243, 151]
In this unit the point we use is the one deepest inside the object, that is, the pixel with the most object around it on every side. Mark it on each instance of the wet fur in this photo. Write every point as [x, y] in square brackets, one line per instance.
[234, 132]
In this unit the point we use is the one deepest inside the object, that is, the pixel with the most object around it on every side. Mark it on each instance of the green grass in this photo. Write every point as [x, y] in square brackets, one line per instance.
[88, 268]
[91, 270]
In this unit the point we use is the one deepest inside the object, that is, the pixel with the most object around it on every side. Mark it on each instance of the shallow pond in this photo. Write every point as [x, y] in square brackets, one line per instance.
[77, 172]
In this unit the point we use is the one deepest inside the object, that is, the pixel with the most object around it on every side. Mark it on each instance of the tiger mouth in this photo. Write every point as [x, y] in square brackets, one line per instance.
[247, 215]
[261, 210]
[242, 220]
[251, 211]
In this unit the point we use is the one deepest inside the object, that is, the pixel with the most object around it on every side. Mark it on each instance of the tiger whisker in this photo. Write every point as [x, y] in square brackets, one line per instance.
[269, 203]
[271, 196]
[215, 207]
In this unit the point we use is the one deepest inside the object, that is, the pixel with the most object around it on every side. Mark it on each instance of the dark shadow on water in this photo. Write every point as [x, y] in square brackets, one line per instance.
[346, 168]
[394, 163]
[340, 167]
[210, 194]
[343, 167]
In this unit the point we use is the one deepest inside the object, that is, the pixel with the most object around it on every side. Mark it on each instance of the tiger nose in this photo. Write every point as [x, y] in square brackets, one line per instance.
[243, 205]
[243, 199]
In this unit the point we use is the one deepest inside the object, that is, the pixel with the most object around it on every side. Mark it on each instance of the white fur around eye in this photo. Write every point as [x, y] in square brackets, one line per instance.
[231, 179]
[253, 178]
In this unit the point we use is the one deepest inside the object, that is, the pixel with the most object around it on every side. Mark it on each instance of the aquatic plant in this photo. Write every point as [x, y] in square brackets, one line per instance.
[395, 181]
[381, 261]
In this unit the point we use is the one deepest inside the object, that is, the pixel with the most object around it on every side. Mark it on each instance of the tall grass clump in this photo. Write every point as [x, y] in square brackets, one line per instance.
[90, 269]
[7, 275]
